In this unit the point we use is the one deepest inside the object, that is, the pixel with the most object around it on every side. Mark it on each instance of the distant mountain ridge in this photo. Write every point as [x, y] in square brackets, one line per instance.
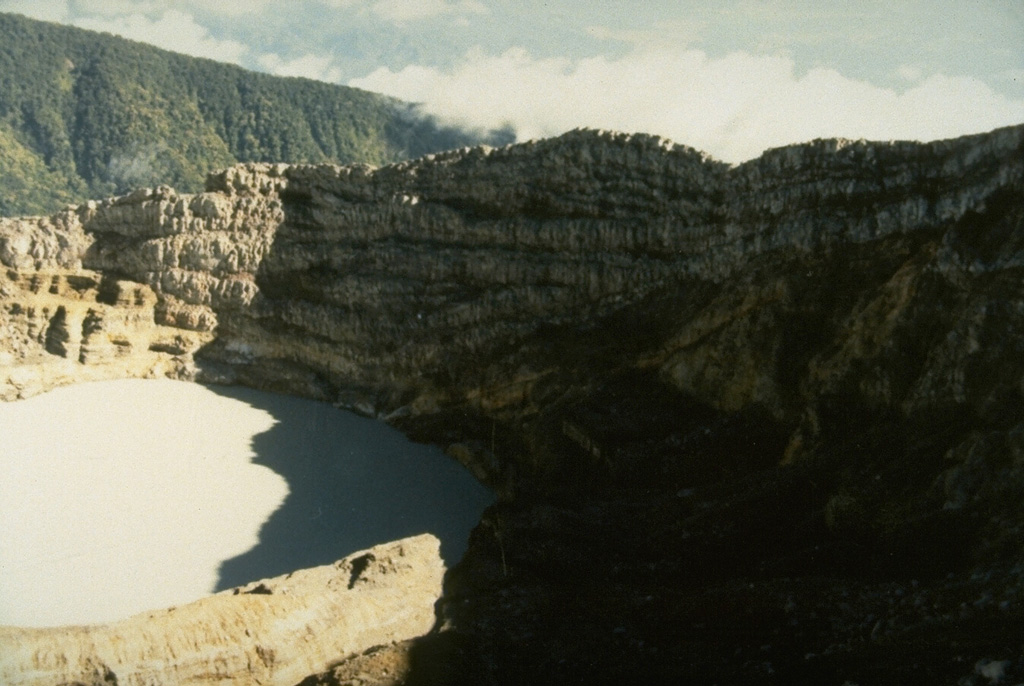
[86, 115]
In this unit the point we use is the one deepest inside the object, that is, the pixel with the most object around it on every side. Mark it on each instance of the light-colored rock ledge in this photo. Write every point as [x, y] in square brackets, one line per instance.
[274, 631]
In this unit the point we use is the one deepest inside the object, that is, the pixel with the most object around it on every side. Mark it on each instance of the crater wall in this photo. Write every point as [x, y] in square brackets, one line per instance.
[601, 321]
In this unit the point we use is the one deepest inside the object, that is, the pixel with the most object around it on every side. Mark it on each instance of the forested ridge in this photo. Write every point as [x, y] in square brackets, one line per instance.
[88, 115]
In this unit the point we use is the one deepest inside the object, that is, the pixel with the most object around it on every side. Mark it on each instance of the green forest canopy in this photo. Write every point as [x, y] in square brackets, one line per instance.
[88, 115]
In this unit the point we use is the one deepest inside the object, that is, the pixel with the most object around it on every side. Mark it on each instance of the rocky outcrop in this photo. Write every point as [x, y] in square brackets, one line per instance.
[630, 341]
[462, 251]
[273, 631]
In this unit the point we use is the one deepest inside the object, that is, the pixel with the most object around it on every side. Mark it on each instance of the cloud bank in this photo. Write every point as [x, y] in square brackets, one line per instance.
[146, 21]
[655, 80]
[733, 107]
[46, 11]
[172, 30]
[308, 66]
[400, 11]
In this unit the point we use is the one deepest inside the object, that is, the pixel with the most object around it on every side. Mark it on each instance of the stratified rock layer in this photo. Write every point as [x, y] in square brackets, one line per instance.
[625, 331]
[274, 631]
[430, 284]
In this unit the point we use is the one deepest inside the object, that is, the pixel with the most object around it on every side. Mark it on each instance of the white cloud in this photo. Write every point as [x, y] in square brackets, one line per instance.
[908, 72]
[115, 7]
[1013, 75]
[677, 33]
[231, 8]
[733, 107]
[151, 8]
[46, 11]
[400, 11]
[309, 66]
[173, 30]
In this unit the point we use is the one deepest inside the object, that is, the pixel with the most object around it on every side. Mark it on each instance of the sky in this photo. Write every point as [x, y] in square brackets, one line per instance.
[730, 78]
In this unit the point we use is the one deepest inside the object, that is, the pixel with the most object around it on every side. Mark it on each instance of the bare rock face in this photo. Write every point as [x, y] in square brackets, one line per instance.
[657, 358]
[457, 280]
[384, 279]
[274, 631]
[63, 322]
[67, 326]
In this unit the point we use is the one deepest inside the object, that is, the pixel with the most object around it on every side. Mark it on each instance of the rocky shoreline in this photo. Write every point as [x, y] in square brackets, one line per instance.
[755, 424]
[268, 631]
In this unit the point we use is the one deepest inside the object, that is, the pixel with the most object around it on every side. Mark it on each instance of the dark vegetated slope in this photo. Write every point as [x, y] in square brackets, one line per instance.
[86, 115]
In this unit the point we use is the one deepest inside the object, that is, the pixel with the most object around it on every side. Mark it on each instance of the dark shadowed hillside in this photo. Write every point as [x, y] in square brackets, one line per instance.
[85, 115]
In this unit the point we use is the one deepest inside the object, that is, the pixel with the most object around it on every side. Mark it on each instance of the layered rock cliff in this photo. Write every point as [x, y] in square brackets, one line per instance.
[805, 366]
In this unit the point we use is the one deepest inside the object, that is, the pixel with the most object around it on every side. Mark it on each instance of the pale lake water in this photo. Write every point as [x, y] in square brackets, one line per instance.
[118, 497]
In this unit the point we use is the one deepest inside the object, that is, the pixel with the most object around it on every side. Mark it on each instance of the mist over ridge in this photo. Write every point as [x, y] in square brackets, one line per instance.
[88, 115]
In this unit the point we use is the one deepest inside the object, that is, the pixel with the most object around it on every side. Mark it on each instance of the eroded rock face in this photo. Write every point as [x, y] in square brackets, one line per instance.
[274, 631]
[607, 322]
[415, 287]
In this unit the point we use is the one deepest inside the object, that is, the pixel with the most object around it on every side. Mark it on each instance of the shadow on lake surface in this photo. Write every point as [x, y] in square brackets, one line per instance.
[353, 483]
